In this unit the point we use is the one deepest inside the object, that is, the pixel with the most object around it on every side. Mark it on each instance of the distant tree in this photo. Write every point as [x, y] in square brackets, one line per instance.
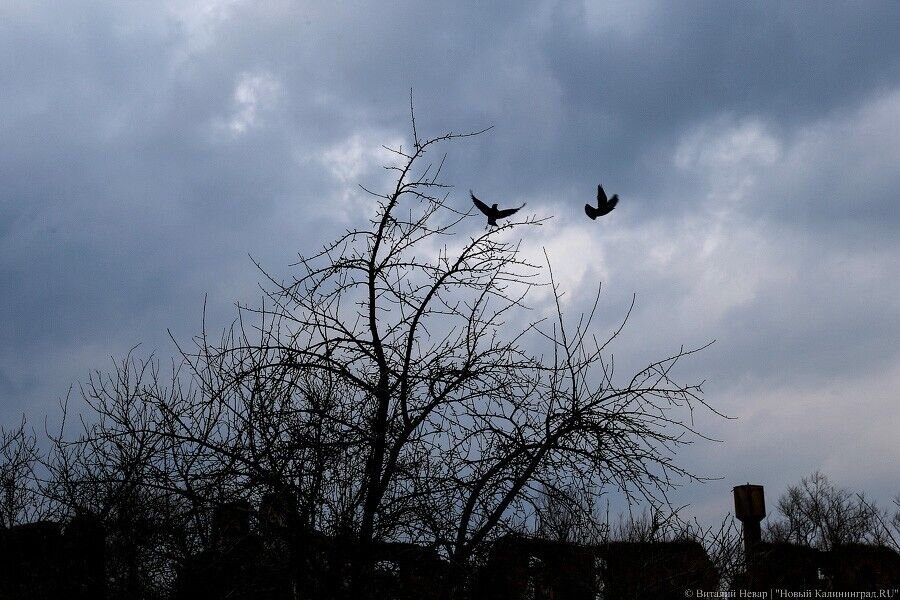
[570, 516]
[819, 514]
[20, 497]
[895, 522]
[117, 467]
[722, 541]
[577, 519]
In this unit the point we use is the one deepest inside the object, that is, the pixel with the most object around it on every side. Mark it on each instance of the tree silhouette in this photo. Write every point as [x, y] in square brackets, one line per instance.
[20, 499]
[819, 514]
[393, 366]
[390, 389]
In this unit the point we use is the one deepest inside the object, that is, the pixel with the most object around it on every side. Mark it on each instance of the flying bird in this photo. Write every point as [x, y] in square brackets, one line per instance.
[492, 212]
[604, 205]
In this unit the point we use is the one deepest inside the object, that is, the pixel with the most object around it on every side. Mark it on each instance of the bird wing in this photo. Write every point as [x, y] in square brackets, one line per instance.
[590, 211]
[502, 214]
[613, 201]
[601, 196]
[481, 205]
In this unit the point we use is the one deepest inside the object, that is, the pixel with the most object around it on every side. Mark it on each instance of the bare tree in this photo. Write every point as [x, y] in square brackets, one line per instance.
[816, 513]
[722, 541]
[389, 387]
[20, 497]
[567, 518]
[145, 488]
[570, 516]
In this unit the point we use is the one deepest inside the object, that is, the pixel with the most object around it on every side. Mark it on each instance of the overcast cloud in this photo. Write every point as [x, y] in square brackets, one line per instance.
[149, 147]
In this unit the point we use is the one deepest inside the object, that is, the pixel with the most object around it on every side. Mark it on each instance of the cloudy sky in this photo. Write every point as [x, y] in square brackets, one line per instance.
[149, 147]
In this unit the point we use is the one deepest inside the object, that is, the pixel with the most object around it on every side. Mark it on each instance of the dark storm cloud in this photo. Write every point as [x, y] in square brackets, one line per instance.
[684, 62]
[629, 94]
[147, 149]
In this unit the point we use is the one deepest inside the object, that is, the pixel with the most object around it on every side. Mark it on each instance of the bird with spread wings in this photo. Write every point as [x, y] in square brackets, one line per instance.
[492, 212]
[604, 205]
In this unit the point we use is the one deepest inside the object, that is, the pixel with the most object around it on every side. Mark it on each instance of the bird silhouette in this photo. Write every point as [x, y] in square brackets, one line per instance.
[604, 205]
[492, 212]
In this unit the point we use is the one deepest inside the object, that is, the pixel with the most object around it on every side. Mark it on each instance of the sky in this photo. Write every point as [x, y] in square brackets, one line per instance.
[150, 148]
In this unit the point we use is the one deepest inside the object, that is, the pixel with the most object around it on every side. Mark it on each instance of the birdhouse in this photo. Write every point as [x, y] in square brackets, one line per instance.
[749, 503]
